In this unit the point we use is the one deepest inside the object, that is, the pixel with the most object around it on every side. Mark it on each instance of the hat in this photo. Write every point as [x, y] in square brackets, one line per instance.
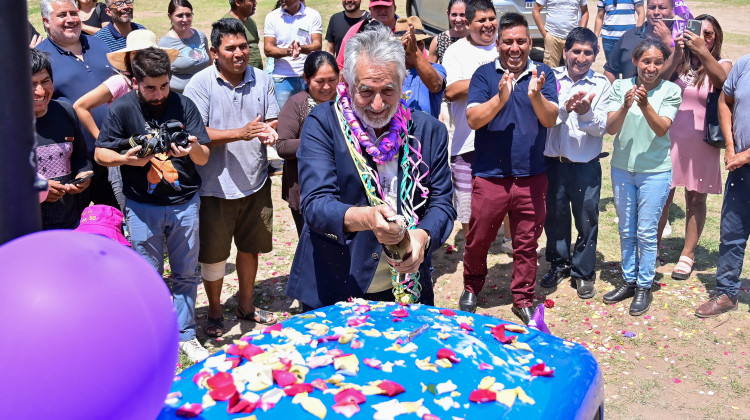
[139, 39]
[103, 220]
[402, 27]
[381, 3]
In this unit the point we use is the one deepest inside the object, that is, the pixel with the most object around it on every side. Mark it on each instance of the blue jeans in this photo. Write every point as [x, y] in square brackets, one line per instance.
[286, 87]
[608, 44]
[639, 201]
[735, 229]
[149, 225]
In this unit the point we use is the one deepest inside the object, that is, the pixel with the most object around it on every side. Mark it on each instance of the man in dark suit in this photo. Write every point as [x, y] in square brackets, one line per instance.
[373, 175]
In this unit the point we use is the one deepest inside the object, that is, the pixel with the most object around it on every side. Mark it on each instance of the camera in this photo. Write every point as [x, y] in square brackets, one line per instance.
[159, 140]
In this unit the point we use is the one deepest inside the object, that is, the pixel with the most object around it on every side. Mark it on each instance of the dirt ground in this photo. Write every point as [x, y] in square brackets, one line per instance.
[667, 364]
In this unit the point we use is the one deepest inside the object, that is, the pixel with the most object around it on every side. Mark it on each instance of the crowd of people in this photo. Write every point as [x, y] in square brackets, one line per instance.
[387, 141]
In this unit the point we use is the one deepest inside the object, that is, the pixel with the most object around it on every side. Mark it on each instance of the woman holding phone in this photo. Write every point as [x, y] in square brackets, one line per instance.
[695, 165]
[641, 112]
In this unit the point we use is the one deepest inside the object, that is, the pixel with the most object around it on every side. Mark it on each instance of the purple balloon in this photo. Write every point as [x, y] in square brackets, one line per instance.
[89, 330]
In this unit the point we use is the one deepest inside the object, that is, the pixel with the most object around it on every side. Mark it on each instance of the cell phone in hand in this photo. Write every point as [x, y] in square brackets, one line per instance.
[694, 26]
[669, 23]
[80, 180]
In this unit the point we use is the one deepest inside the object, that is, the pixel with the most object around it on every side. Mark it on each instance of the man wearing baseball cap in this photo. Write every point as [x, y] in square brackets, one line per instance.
[425, 81]
[383, 11]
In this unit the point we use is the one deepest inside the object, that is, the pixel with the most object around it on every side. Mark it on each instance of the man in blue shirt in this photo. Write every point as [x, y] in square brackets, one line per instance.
[512, 101]
[115, 34]
[79, 63]
[425, 81]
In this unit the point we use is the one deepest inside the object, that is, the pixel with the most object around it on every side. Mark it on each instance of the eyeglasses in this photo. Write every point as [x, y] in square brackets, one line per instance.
[121, 3]
[708, 34]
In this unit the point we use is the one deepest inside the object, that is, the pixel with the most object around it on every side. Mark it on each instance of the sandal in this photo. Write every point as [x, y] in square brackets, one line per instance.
[214, 326]
[259, 316]
[683, 268]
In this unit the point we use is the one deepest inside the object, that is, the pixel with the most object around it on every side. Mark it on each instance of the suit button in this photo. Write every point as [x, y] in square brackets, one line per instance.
[375, 256]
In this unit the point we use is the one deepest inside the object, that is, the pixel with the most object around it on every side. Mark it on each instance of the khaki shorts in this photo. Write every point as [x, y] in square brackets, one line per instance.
[553, 50]
[249, 220]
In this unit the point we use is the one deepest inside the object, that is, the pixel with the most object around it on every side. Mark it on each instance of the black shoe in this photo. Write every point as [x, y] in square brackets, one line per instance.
[524, 313]
[585, 287]
[641, 301]
[467, 302]
[623, 291]
[554, 276]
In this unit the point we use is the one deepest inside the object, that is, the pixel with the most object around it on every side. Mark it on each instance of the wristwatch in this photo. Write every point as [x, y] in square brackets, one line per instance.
[429, 241]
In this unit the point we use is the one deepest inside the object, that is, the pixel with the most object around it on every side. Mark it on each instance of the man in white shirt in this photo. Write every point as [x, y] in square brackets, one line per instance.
[290, 33]
[562, 17]
[573, 150]
[461, 59]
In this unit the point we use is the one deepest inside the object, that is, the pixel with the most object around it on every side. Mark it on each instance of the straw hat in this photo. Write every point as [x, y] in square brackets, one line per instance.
[140, 39]
[402, 27]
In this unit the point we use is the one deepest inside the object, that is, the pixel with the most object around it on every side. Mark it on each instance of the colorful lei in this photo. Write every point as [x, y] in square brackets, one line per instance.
[406, 287]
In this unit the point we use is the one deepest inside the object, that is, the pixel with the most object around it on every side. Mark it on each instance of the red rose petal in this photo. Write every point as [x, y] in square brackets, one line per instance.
[190, 410]
[220, 380]
[498, 331]
[346, 409]
[239, 405]
[224, 393]
[448, 354]
[234, 350]
[482, 396]
[274, 327]
[284, 378]
[350, 395]
[541, 370]
[466, 327]
[400, 313]
[373, 363]
[319, 384]
[200, 377]
[485, 366]
[335, 353]
[391, 388]
[549, 303]
[448, 312]
[251, 350]
[295, 389]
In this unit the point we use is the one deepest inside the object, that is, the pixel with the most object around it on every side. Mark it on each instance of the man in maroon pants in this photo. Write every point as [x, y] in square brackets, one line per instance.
[511, 103]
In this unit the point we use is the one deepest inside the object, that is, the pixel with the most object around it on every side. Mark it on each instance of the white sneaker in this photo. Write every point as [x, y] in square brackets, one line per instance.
[667, 231]
[507, 246]
[194, 350]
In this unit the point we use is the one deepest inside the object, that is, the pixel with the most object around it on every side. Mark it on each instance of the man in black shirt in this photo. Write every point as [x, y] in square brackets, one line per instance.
[60, 148]
[340, 23]
[160, 187]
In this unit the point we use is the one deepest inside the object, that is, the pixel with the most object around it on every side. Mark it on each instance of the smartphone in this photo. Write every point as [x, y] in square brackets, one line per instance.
[80, 180]
[694, 26]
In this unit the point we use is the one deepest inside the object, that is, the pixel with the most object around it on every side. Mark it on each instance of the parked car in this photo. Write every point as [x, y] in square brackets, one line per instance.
[434, 18]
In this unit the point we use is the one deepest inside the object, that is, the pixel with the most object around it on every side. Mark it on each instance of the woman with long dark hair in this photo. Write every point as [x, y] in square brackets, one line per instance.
[321, 74]
[695, 165]
[458, 27]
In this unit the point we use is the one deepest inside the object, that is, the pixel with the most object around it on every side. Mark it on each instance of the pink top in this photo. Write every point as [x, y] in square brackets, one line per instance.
[695, 165]
[117, 85]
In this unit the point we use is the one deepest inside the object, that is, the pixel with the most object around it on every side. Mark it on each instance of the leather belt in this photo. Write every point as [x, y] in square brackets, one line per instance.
[563, 159]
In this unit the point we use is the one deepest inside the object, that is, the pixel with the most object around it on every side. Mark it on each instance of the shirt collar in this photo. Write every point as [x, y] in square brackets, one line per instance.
[530, 65]
[248, 78]
[588, 77]
[300, 12]
[84, 45]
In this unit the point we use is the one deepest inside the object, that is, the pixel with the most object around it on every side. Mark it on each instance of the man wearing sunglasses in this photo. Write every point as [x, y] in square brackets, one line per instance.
[114, 35]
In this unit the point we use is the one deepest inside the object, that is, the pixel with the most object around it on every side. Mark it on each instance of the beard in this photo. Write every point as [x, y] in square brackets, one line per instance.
[381, 122]
[152, 108]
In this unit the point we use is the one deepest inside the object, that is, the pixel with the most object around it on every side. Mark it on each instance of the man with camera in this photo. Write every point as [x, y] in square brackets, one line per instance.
[142, 135]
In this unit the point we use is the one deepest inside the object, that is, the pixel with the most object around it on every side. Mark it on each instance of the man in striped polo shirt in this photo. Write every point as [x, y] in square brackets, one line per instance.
[614, 17]
[114, 35]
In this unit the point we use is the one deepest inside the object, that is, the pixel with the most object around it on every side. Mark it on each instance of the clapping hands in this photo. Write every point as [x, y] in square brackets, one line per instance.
[579, 103]
[535, 84]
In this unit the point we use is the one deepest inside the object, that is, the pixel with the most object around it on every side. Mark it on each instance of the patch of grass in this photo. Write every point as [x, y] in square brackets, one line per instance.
[735, 38]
